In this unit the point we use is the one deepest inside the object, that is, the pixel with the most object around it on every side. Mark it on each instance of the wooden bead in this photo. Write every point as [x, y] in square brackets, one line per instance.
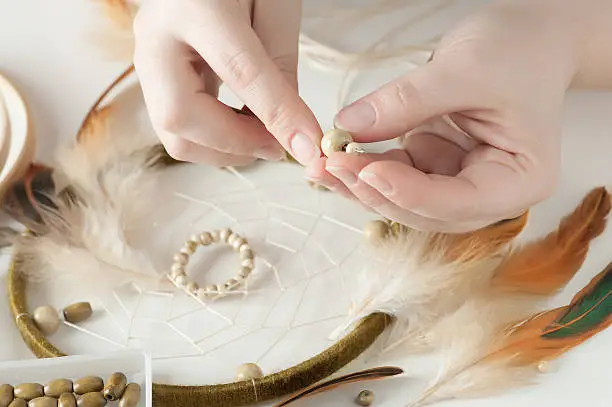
[365, 398]
[47, 319]
[43, 402]
[115, 386]
[232, 238]
[56, 388]
[88, 384]
[177, 269]
[232, 283]
[206, 239]
[78, 312]
[91, 399]
[181, 280]
[18, 403]
[248, 371]
[238, 243]
[215, 236]
[245, 272]
[131, 396]
[192, 287]
[224, 234]
[6, 395]
[246, 253]
[67, 400]
[181, 259]
[334, 141]
[248, 263]
[375, 230]
[202, 294]
[28, 391]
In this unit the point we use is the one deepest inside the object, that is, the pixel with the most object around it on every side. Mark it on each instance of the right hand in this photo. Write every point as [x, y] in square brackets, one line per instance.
[186, 48]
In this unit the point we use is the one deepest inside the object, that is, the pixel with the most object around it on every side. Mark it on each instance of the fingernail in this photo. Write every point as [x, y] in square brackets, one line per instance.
[270, 153]
[375, 182]
[303, 149]
[348, 178]
[359, 116]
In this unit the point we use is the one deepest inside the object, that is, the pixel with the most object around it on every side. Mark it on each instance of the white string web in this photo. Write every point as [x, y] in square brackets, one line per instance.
[308, 247]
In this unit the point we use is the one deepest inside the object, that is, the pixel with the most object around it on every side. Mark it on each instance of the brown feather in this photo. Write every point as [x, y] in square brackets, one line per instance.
[377, 373]
[546, 265]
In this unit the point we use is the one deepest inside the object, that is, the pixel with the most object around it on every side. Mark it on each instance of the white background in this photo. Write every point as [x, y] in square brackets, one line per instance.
[45, 51]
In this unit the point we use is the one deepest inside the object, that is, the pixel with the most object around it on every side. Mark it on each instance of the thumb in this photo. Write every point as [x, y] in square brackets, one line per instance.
[401, 105]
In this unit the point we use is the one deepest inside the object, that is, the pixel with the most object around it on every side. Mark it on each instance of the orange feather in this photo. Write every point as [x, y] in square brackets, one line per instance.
[546, 265]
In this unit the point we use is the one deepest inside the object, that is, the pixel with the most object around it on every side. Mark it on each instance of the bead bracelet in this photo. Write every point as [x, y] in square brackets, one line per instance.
[88, 391]
[178, 273]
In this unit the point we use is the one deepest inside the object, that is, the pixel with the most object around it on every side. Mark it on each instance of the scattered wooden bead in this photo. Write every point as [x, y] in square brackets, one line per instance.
[79, 312]
[46, 319]
[28, 391]
[115, 386]
[248, 371]
[18, 403]
[365, 398]
[131, 396]
[56, 388]
[6, 395]
[88, 384]
[67, 400]
[43, 402]
[92, 399]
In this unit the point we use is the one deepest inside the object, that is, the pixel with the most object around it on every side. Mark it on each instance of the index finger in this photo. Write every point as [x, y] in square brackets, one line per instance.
[235, 53]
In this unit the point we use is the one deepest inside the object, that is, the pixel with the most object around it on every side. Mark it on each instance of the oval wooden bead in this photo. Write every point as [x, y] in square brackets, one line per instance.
[78, 312]
[115, 386]
[43, 402]
[88, 384]
[131, 396]
[28, 391]
[18, 403]
[46, 319]
[58, 387]
[67, 400]
[92, 399]
[6, 395]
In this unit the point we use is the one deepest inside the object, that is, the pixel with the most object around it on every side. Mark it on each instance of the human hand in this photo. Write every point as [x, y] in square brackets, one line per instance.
[184, 49]
[481, 123]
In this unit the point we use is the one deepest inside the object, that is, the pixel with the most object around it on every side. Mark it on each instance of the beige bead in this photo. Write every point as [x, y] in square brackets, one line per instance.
[232, 238]
[28, 391]
[188, 249]
[88, 384]
[365, 398]
[18, 403]
[6, 395]
[248, 371]
[47, 319]
[67, 400]
[192, 287]
[245, 272]
[206, 238]
[248, 263]
[215, 236]
[375, 230]
[224, 234]
[43, 402]
[335, 140]
[246, 253]
[181, 280]
[91, 399]
[212, 290]
[232, 283]
[78, 312]
[115, 386]
[237, 244]
[131, 396]
[181, 259]
[177, 269]
[202, 294]
[58, 387]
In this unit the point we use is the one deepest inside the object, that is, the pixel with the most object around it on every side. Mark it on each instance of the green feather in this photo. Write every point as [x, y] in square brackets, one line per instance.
[590, 311]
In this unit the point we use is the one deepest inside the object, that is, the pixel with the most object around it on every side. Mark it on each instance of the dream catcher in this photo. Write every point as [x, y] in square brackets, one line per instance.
[247, 285]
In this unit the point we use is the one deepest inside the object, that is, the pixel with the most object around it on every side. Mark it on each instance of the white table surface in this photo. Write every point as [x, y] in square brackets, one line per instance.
[44, 50]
